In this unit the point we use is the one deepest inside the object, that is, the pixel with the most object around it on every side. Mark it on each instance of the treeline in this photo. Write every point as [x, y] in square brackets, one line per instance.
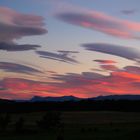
[84, 105]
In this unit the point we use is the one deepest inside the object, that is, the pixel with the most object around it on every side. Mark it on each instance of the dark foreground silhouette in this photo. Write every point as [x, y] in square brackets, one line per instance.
[70, 120]
[71, 125]
[82, 105]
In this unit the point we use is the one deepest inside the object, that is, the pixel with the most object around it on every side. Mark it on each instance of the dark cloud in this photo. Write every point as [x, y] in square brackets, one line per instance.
[55, 59]
[92, 75]
[102, 22]
[15, 47]
[15, 25]
[109, 67]
[75, 79]
[67, 52]
[122, 51]
[18, 68]
[1, 88]
[94, 84]
[128, 12]
[62, 56]
[132, 69]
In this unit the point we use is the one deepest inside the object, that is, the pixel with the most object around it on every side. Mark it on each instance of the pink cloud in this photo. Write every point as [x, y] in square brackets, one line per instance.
[102, 22]
[105, 61]
[86, 84]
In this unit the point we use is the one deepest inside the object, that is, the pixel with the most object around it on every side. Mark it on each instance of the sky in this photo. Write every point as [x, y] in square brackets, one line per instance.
[83, 48]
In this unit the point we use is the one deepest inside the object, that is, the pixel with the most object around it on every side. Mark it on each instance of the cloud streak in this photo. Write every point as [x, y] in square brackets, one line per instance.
[132, 69]
[15, 47]
[18, 68]
[116, 50]
[128, 12]
[93, 84]
[109, 67]
[105, 61]
[101, 22]
[62, 56]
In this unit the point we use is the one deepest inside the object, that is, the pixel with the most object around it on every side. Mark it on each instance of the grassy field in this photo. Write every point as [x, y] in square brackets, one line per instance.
[78, 126]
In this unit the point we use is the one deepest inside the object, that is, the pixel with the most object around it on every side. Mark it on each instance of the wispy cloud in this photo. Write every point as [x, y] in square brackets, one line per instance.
[117, 50]
[101, 22]
[15, 47]
[129, 12]
[109, 67]
[62, 56]
[93, 84]
[85, 84]
[18, 68]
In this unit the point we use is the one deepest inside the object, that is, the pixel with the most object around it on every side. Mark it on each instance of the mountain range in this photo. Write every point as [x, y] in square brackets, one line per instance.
[73, 98]
[54, 99]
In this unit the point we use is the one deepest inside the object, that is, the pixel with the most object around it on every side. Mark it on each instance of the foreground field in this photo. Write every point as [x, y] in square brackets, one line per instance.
[78, 126]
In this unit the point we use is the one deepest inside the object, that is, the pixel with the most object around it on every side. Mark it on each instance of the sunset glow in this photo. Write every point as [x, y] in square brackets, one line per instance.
[66, 47]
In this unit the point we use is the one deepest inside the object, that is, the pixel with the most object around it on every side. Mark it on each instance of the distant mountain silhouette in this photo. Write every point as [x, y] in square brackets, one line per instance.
[70, 103]
[54, 99]
[73, 98]
[117, 97]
